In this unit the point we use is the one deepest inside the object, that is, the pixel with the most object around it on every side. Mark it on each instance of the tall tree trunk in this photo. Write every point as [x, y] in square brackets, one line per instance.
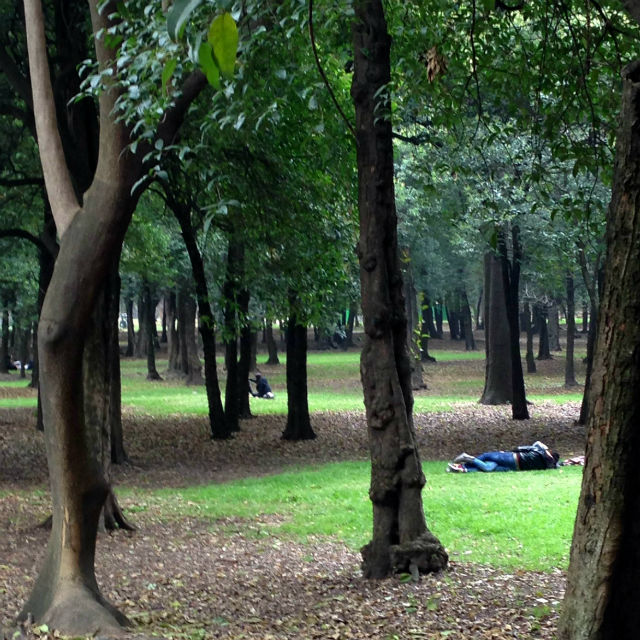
[173, 337]
[603, 591]
[244, 364]
[193, 368]
[437, 312]
[467, 322]
[272, 347]
[427, 329]
[147, 332]
[413, 333]
[511, 282]
[217, 420]
[497, 379]
[544, 352]
[298, 421]
[131, 336]
[235, 261]
[585, 318]
[569, 368]
[4, 340]
[528, 329]
[401, 540]
[479, 315]
[554, 327]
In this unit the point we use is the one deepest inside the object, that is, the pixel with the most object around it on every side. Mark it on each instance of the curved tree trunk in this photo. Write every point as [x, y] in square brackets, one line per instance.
[497, 380]
[217, 420]
[298, 421]
[401, 540]
[603, 591]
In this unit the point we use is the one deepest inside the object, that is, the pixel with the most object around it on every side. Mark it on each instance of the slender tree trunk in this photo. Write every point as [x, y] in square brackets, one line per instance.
[4, 341]
[217, 420]
[603, 591]
[413, 334]
[244, 364]
[147, 331]
[479, 316]
[235, 260]
[193, 364]
[544, 352]
[427, 329]
[528, 328]
[173, 337]
[497, 380]
[401, 540]
[272, 347]
[569, 368]
[130, 332]
[585, 318]
[469, 340]
[437, 312]
[298, 421]
[511, 283]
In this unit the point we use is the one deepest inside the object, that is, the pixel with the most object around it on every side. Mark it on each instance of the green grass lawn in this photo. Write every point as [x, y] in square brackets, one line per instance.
[334, 385]
[510, 520]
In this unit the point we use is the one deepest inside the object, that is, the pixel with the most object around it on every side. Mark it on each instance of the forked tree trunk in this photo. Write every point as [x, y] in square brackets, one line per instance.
[401, 540]
[603, 591]
[298, 421]
[497, 379]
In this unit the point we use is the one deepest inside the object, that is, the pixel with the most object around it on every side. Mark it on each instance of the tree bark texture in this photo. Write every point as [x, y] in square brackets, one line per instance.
[603, 589]
[298, 421]
[413, 332]
[401, 540]
[497, 379]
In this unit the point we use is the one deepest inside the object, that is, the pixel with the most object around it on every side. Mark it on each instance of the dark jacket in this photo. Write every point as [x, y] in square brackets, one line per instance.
[534, 457]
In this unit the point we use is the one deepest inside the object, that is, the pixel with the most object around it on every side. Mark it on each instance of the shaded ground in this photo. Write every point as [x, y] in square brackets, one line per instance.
[193, 579]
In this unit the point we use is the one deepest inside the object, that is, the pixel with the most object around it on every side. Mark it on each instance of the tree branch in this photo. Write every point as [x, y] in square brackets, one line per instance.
[26, 235]
[62, 198]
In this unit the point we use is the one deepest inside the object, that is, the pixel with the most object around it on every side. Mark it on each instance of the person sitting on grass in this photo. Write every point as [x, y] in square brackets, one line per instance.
[263, 390]
[526, 458]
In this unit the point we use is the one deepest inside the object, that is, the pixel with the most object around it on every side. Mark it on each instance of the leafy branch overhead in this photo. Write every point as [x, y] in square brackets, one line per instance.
[216, 54]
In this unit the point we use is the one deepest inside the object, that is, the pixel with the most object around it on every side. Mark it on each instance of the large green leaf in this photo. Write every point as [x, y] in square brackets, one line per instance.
[208, 65]
[178, 15]
[223, 37]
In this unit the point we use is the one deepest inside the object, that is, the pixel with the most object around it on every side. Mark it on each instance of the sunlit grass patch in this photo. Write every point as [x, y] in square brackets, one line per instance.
[510, 520]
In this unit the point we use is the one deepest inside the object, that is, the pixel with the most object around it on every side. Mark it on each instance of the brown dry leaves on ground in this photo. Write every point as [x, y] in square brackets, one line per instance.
[194, 579]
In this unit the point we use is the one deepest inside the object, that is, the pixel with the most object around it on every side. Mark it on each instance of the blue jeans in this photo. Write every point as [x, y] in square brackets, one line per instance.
[493, 461]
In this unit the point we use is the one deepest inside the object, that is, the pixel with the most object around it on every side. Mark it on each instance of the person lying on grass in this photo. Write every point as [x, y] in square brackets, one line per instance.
[526, 458]
[263, 389]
